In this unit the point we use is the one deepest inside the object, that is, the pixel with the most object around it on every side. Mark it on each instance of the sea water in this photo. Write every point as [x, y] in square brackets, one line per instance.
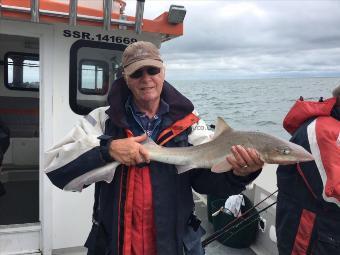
[253, 105]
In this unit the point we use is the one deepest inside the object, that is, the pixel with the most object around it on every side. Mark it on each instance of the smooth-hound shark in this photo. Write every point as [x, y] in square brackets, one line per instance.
[211, 155]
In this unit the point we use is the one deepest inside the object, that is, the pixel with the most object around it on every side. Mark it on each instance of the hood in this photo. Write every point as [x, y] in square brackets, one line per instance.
[302, 110]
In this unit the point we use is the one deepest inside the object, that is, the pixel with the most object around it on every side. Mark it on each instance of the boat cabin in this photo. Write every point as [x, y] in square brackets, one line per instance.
[58, 59]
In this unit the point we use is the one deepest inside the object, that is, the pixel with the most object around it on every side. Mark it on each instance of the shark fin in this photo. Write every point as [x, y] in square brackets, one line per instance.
[221, 167]
[221, 126]
[181, 169]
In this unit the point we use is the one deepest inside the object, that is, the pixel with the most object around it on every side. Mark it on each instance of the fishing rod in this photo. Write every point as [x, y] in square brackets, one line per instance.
[213, 237]
[226, 228]
[253, 218]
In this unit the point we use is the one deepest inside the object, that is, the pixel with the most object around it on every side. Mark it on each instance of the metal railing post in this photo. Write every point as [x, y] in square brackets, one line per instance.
[107, 9]
[35, 11]
[73, 12]
[139, 16]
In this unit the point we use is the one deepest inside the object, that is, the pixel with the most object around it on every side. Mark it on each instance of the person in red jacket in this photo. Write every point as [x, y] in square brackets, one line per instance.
[308, 204]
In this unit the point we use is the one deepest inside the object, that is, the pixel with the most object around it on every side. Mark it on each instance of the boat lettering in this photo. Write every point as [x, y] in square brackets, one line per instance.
[98, 37]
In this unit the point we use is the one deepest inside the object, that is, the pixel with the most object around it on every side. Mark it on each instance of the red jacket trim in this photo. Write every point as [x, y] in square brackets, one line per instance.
[139, 228]
[305, 180]
[304, 233]
[177, 128]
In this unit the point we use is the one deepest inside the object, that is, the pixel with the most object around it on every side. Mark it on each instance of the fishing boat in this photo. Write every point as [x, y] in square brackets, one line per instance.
[58, 58]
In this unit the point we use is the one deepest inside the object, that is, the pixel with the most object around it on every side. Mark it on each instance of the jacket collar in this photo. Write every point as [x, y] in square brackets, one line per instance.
[179, 105]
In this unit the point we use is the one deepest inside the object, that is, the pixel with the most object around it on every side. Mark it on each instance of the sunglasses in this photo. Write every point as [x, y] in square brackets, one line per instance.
[150, 70]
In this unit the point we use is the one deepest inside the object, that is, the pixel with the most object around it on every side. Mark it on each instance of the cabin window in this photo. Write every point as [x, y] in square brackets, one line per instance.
[94, 76]
[22, 71]
[93, 68]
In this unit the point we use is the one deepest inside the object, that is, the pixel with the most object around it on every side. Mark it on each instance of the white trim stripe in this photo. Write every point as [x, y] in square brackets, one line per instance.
[314, 147]
[81, 139]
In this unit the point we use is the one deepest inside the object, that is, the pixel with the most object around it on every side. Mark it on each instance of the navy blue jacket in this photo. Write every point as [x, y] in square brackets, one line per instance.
[295, 199]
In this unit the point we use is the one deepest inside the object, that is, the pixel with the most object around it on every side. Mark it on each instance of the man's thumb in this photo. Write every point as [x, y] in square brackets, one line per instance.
[140, 138]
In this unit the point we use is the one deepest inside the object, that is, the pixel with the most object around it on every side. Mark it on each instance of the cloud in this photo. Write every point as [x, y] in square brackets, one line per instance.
[228, 39]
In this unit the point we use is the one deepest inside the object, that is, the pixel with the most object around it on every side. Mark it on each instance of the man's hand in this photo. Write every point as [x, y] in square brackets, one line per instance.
[129, 151]
[244, 160]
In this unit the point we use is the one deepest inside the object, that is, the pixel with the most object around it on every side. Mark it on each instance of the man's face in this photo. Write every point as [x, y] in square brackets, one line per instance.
[146, 83]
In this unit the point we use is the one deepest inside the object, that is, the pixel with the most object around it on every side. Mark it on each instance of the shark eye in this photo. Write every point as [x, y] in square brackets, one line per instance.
[283, 151]
[286, 151]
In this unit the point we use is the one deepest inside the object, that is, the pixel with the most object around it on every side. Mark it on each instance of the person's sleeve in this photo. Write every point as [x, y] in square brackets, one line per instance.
[81, 158]
[206, 182]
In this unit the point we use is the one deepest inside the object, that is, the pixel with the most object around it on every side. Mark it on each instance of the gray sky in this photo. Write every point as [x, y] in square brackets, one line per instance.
[252, 39]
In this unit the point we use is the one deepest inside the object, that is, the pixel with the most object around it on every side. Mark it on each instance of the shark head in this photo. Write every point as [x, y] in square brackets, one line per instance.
[278, 151]
[273, 150]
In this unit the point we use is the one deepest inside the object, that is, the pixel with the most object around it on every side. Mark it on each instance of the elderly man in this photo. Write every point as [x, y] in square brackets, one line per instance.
[308, 208]
[147, 208]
